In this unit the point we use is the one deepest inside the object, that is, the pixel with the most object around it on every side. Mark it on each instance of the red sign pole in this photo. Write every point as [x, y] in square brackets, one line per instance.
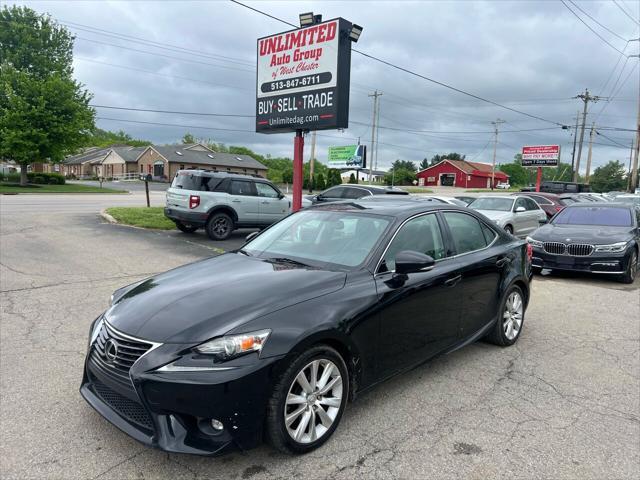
[538, 179]
[298, 151]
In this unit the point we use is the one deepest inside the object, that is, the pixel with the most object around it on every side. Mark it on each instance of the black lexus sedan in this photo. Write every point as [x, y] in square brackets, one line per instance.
[601, 238]
[271, 341]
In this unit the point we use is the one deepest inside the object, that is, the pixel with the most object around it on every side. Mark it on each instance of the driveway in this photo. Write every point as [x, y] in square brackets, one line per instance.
[563, 403]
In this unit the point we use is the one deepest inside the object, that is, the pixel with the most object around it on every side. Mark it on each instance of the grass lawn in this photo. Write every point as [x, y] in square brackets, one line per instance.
[6, 187]
[416, 189]
[145, 217]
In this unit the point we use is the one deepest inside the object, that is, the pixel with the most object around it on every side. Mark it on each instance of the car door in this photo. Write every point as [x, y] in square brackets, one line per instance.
[481, 261]
[521, 220]
[245, 201]
[273, 205]
[331, 195]
[419, 314]
[535, 214]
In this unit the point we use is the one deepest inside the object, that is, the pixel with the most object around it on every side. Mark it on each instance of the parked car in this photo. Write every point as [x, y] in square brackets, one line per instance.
[549, 202]
[272, 340]
[590, 237]
[564, 187]
[529, 188]
[632, 199]
[464, 198]
[222, 202]
[518, 215]
[352, 192]
[503, 186]
[449, 200]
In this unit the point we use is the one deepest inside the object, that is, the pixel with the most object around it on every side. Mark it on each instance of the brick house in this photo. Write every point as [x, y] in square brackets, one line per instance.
[460, 173]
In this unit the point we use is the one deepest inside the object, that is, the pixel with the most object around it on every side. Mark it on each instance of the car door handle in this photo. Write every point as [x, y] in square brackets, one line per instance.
[501, 262]
[451, 282]
[264, 202]
[236, 200]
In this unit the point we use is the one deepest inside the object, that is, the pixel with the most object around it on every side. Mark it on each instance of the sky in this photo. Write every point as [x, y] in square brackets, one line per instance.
[530, 56]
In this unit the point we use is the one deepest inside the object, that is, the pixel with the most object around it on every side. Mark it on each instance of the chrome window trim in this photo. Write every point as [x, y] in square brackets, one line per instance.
[440, 259]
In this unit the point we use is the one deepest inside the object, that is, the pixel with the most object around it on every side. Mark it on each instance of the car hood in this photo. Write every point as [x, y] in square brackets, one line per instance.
[593, 234]
[202, 300]
[495, 215]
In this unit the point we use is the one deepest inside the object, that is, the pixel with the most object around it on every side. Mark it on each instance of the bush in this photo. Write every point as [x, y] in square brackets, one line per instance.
[38, 178]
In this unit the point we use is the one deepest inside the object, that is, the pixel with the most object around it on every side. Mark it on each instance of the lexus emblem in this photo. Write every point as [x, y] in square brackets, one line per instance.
[111, 350]
[568, 240]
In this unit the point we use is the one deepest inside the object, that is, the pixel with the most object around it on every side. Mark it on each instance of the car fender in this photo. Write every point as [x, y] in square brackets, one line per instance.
[224, 207]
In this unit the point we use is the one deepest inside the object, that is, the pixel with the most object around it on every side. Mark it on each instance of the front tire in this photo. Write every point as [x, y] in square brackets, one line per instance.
[308, 401]
[632, 268]
[508, 229]
[510, 318]
[219, 226]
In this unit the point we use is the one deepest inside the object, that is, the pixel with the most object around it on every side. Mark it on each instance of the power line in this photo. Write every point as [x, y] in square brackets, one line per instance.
[589, 27]
[623, 10]
[415, 74]
[175, 112]
[202, 127]
[597, 22]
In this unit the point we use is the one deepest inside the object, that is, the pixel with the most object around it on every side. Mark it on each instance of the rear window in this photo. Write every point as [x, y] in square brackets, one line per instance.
[604, 216]
[189, 181]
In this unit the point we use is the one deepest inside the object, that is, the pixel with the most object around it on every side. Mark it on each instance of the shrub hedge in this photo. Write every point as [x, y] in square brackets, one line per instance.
[39, 178]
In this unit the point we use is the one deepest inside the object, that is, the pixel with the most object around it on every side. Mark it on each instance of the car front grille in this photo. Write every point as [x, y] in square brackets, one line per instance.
[572, 249]
[113, 354]
[130, 410]
[554, 248]
[580, 249]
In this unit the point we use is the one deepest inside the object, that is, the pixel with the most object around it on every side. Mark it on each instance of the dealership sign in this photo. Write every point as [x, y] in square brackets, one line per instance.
[541, 156]
[303, 78]
[350, 156]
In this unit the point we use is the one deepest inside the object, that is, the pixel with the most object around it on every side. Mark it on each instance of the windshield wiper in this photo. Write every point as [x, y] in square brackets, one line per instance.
[287, 260]
[244, 252]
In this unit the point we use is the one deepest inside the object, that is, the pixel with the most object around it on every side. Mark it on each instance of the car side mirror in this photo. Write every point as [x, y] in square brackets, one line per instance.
[280, 196]
[543, 221]
[409, 261]
[520, 209]
[319, 197]
[251, 236]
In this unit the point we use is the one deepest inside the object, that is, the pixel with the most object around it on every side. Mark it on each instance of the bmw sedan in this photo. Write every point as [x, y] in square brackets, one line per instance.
[271, 342]
[601, 238]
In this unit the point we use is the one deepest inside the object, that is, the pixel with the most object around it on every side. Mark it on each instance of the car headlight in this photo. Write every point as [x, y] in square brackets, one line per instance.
[534, 242]
[612, 248]
[231, 346]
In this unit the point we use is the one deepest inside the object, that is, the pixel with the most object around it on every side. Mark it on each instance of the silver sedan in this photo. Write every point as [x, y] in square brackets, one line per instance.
[518, 215]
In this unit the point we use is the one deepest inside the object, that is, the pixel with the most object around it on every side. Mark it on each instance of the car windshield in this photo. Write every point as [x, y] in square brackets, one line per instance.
[601, 216]
[488, 203]
[321, 238]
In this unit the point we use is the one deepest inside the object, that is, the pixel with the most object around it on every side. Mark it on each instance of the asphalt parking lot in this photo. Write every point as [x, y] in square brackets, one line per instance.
[564, 402]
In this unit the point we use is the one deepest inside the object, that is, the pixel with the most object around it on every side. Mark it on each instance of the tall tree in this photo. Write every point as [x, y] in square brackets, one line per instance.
[446, 156]
[609, 177]
[424, 164]
[188, 138]
[44, 112]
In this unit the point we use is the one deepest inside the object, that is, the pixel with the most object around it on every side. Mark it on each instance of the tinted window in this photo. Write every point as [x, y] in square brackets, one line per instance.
[421, 234]
[488, 203]
[541, 200]
[334, 192]
[350, 192]
[489, 233]
[530, 204]
[239, 187]
[189, 181]
[265, 190]
[605, 216]
[466, 232]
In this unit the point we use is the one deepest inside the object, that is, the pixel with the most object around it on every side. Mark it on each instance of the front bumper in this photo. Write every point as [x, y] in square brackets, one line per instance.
[606, 263]
[191, 218]
[172, 411]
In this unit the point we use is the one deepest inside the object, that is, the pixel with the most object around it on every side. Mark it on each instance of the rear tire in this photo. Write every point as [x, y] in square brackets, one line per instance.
[510, 318]
[185, 227]
[312, 407]
[508, 229]
[219, 226]
[632, 268]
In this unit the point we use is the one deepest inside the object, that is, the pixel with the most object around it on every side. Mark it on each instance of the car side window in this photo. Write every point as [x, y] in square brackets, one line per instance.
[336, 192]
[541, 200]
[519, 203]
[265, 190]
[466, 232]
[529, 204]
[353, 193]
[421, 234]
[241, 187]
[489, 233]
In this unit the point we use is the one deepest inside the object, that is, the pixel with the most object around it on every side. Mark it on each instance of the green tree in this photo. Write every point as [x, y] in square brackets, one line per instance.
[105, 138]
[399, 176]
[352, 178]
[188, 138]
[446, 156]
[518, 175]
[320, 183]
[405, 165]
[424, 164]
[44, 112]
[611, 176]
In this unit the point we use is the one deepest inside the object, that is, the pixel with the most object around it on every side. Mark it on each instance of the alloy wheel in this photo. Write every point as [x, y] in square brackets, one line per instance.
[512, 316]
[221, 226]
[313, 401]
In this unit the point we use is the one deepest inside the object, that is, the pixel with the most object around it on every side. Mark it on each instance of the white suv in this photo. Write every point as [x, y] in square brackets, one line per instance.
[222, 202]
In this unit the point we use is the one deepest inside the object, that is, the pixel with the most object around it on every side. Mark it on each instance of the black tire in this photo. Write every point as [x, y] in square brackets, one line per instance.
[276, 429]
[508, 229]
[185, 227]
[632, 268]
[219, 226]
[498, 334]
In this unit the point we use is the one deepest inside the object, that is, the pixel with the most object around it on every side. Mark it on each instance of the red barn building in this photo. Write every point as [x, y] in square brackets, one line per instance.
[460, 173]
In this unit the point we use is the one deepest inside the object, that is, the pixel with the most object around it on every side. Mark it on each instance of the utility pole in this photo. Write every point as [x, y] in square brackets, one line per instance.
[593, 127]
[496, 125]
[575, 138]
[634, 170]
[311, 160]
[629, 170]
[586, 97]
[375, 96]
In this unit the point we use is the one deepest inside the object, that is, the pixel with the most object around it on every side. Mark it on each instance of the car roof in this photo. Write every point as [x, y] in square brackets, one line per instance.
[213, 173]
[508, 197]
[389, 206]
[542, 194]
[601, 204]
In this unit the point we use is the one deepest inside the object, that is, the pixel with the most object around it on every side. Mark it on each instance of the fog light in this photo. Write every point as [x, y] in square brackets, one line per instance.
[216, 424]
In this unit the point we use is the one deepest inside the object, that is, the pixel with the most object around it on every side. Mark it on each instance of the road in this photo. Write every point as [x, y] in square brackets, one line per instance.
[563, 403]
